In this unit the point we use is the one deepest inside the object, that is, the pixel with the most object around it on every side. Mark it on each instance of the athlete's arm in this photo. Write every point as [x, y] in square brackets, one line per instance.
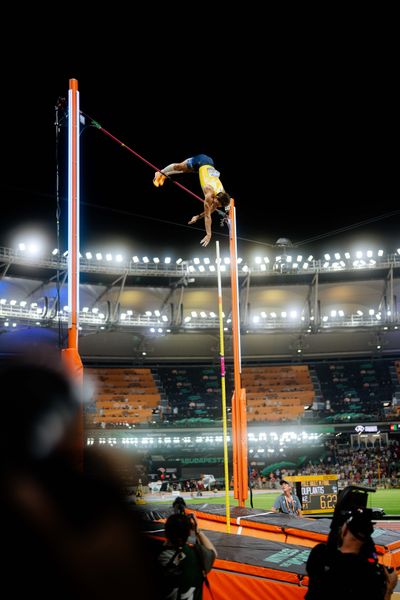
[196, 218]
[209, 207]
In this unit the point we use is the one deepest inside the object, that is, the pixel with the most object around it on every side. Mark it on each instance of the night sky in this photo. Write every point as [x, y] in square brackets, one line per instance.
[301, 133]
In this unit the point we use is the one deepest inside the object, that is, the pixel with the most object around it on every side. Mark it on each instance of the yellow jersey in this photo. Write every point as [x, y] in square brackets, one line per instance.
[209, 176]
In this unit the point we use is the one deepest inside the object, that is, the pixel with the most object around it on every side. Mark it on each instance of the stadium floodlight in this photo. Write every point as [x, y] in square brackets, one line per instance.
[196, 260]
[99, 256]
[54, 252]
[156, 260]
[109, 256]
[89, 255]
[167, 260]
[178, 261]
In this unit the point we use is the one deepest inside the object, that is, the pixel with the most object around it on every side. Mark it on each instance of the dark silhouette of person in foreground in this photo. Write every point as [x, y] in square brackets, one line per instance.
[347, 566]
[65, 533]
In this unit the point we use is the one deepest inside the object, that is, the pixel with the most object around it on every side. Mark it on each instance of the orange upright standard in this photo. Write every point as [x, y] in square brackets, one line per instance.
[70, 354]
[239, 417]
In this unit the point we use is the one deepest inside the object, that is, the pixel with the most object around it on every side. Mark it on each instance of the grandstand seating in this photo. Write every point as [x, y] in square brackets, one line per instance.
[191, 394]
[276, 393]
[356, 387]
[123, 396]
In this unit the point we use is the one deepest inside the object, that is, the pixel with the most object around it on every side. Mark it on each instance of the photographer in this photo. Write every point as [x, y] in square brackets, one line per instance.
[350, 569]
[184, 567]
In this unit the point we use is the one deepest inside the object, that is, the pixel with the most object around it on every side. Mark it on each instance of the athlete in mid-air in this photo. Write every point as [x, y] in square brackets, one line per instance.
[215, 196]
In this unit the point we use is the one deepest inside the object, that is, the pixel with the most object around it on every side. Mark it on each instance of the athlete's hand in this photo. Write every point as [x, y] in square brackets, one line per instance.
[205, 241]
[193, 220]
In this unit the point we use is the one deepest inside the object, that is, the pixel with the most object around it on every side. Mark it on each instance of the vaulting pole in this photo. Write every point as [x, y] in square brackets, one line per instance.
[223, 390]
[239, 417]
[70, 355]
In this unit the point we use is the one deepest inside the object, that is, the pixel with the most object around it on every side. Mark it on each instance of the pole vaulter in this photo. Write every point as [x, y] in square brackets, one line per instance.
[239, 418]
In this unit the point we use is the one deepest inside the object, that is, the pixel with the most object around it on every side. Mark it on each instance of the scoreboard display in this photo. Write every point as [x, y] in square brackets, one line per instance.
[317, 493]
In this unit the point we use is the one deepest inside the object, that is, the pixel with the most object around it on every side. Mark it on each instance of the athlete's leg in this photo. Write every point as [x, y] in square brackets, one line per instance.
[172, 169]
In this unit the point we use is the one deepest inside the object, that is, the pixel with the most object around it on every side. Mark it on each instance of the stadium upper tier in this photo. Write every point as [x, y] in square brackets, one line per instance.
[155, 309]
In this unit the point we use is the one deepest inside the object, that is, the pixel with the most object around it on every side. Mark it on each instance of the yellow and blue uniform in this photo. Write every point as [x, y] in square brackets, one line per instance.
[208, 174]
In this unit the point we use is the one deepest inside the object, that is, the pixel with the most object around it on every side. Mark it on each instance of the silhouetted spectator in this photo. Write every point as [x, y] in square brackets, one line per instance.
[351, 569]
[66, 533]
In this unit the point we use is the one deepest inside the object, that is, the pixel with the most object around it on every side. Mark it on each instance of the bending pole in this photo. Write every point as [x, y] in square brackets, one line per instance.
[223, 390]
[70, 355]
[239, 417]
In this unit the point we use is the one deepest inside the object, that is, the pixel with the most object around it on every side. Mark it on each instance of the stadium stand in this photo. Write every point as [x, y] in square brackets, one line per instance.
[123, 396]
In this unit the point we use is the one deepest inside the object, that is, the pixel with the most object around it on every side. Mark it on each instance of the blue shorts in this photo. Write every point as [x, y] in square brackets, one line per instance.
[198, 161]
